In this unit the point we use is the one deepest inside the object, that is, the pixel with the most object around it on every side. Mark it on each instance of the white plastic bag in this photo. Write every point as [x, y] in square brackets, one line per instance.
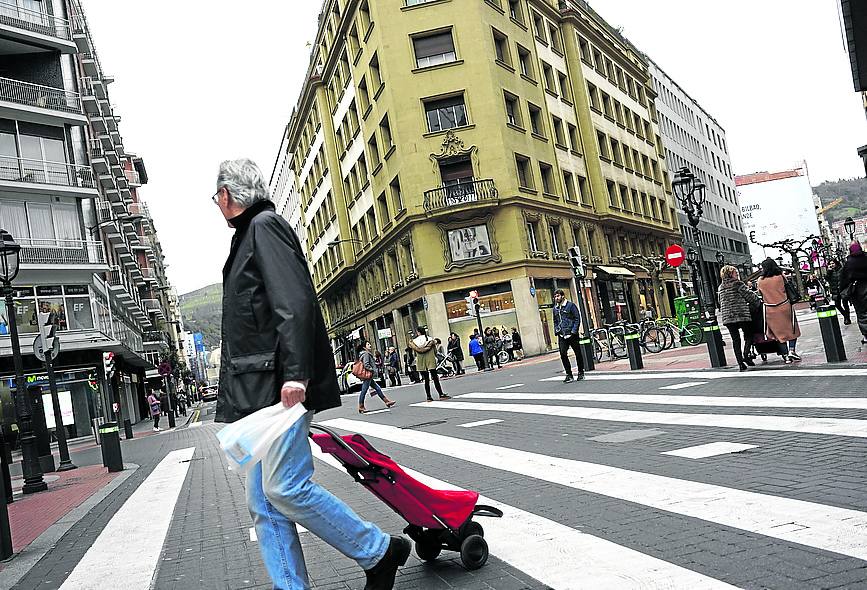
[246, 442]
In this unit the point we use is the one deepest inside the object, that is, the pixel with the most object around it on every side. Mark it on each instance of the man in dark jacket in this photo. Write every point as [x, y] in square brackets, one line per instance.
[567, 321]
[854, 280]
[276, 348]
[835, 276]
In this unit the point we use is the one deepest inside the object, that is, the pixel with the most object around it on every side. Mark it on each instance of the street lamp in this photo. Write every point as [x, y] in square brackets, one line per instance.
[9, 266]
[690, 193]
[692, 259]
[849, 225]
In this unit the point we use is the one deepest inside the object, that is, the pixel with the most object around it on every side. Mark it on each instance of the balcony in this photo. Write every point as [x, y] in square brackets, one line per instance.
[61, 253]
[461, 196]
[34, 175]
[39, 104]
[133, 178]
[119, 283]
[25, 25]
[149, 275]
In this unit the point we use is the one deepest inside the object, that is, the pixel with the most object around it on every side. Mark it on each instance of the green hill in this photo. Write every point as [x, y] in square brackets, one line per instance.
[202, 312]
[853, 191]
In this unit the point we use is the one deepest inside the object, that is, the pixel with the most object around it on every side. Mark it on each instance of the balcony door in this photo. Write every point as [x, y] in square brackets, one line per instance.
[457, 179]
[44, 159]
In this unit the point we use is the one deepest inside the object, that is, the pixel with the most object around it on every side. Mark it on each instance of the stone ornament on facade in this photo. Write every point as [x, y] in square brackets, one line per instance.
[453, 147]
[469, 242]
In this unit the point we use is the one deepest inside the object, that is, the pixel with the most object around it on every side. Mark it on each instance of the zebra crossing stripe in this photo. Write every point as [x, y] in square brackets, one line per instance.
[830, 426]
[829, 528]
[565, 558]
[756, 374]
[129, 546]
[731, 401]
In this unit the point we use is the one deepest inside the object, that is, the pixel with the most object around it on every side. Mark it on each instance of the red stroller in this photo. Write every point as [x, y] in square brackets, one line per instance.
[438, 519]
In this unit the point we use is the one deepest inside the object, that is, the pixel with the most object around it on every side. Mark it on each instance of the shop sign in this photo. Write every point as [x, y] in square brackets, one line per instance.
[384, 333]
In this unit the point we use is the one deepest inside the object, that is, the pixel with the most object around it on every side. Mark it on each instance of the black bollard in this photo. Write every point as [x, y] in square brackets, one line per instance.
[111, 454]
[715, 345]
[588, 354]
[5, 462]
[127, 429]
[835, 352]
[633, 348]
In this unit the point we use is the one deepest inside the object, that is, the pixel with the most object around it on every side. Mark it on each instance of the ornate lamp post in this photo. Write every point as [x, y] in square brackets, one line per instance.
[689, 191]
[849, 225]
[692, 260]
[33, 482]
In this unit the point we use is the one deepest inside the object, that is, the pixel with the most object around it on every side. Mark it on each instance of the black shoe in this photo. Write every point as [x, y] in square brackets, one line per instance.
[580, 377]
[381, 576]
[749, 362]
[742, 367]
[847, 322]
[568, 379]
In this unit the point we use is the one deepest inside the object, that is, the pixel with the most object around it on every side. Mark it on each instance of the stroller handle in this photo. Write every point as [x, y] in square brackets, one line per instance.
[342, 443]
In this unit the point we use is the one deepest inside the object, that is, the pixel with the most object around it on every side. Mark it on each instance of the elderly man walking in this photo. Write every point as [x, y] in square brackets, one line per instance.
[275, 348]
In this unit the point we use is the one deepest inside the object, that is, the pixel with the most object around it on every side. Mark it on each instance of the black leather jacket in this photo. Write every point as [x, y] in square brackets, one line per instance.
[273, 330]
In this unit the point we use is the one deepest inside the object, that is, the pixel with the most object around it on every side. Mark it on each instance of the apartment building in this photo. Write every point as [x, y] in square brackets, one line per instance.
[854, 23]
[69, 197]
[451, 145]
[694, 139]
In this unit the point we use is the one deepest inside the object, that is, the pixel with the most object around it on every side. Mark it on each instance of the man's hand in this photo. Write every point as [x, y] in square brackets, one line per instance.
[291, 394]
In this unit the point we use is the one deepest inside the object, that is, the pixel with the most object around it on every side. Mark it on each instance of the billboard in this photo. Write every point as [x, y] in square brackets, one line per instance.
[777, 209]
[199, 341]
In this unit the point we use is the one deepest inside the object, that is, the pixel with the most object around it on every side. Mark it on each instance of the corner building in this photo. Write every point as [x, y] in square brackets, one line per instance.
[450, 145]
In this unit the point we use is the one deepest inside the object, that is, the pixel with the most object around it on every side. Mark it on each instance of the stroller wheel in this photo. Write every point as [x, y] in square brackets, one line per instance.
[473, 528]
[428, 547]
[474, 552]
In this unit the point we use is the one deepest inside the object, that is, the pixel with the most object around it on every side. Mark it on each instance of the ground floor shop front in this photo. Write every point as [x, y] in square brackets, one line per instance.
[521, 298]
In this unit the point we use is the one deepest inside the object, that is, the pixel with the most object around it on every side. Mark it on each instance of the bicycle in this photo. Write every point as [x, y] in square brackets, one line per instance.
[690, 332]
[610, 340]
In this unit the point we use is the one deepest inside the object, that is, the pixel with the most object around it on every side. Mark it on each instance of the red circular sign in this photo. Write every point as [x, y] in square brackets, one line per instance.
[675, 255]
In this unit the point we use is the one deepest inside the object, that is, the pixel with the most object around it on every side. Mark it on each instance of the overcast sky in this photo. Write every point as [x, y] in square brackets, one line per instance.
[199, 82]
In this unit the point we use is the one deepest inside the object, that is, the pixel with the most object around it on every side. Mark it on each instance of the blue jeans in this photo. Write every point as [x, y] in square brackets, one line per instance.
[280, 493]
[365, 385]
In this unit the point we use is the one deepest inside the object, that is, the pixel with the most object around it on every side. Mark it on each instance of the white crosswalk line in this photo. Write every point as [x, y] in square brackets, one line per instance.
[564, 558]
[480, 423]
[801, 424]
[838, 530]
[129, 546]
[726, 401]
[512, 386]
[684, 385]
[760, 373]
[709, 450]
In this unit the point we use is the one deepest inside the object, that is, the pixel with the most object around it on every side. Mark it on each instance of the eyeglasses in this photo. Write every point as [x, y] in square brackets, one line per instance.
[216, 196]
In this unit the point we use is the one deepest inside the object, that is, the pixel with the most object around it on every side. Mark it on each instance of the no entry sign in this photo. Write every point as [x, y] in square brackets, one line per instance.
[675, 255]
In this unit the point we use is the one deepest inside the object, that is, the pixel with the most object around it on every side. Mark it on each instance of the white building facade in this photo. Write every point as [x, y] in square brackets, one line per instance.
[692, 138]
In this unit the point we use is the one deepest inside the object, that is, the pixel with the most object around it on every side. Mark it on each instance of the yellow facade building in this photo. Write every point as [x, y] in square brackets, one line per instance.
[450, 145]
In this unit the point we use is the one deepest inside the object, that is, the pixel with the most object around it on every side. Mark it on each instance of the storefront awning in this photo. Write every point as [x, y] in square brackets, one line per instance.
[615, 271]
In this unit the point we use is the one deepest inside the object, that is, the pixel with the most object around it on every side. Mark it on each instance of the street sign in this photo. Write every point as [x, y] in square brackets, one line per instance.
[675, 255]
[40, 352]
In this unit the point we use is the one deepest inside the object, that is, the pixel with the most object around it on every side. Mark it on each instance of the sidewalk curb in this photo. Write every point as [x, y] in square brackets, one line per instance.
[21, 563]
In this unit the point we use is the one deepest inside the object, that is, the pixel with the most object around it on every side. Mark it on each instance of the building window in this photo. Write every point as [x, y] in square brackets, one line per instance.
[513, 109]
[559, 137]
[501, 48]
[526, 62]
[354, 45]
[553, 230]
[525, 176]
[612, 193]
[624, 198]
[416, 2]
[385, 131]
[554, 35]
[569, 186]
[531, 236]
[515, 11]
[375, 74]
[615, 152]
[606, 105]
[565, 90]
[584, 48]
[594, 97]
[433, 50]
[539, 26]
[446, 113]
[598, 61]
[373, 150]
[396, 196]
[535, 119]
[363, 95]
[573, 137]
[548, 75]
[547, 174]
[583, 191]
[603, 146]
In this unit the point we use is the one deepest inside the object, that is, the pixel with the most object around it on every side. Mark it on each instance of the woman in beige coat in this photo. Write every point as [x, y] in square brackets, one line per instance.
[426, 361]
[781, 324]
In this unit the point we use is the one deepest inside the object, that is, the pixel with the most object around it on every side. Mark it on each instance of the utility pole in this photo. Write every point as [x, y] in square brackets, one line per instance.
[474, 308]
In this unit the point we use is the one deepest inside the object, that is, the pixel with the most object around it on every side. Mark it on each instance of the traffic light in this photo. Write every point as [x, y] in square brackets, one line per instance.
[473, 303]
[576, 261]
[47, 330]
[108, 364]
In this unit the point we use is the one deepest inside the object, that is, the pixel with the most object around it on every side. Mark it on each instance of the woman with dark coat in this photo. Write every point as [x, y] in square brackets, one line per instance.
[835, 277]
[491, 348]
[854, 283]
[781, 324]
[735, 300]
[454, 349]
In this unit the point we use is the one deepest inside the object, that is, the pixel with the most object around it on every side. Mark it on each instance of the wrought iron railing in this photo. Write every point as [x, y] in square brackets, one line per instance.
[61, 252]
[42, 172]
[453, 195]
[36, 95]
[33, 20]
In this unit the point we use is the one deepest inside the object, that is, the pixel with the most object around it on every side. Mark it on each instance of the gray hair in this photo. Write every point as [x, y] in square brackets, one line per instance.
[244, 181]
